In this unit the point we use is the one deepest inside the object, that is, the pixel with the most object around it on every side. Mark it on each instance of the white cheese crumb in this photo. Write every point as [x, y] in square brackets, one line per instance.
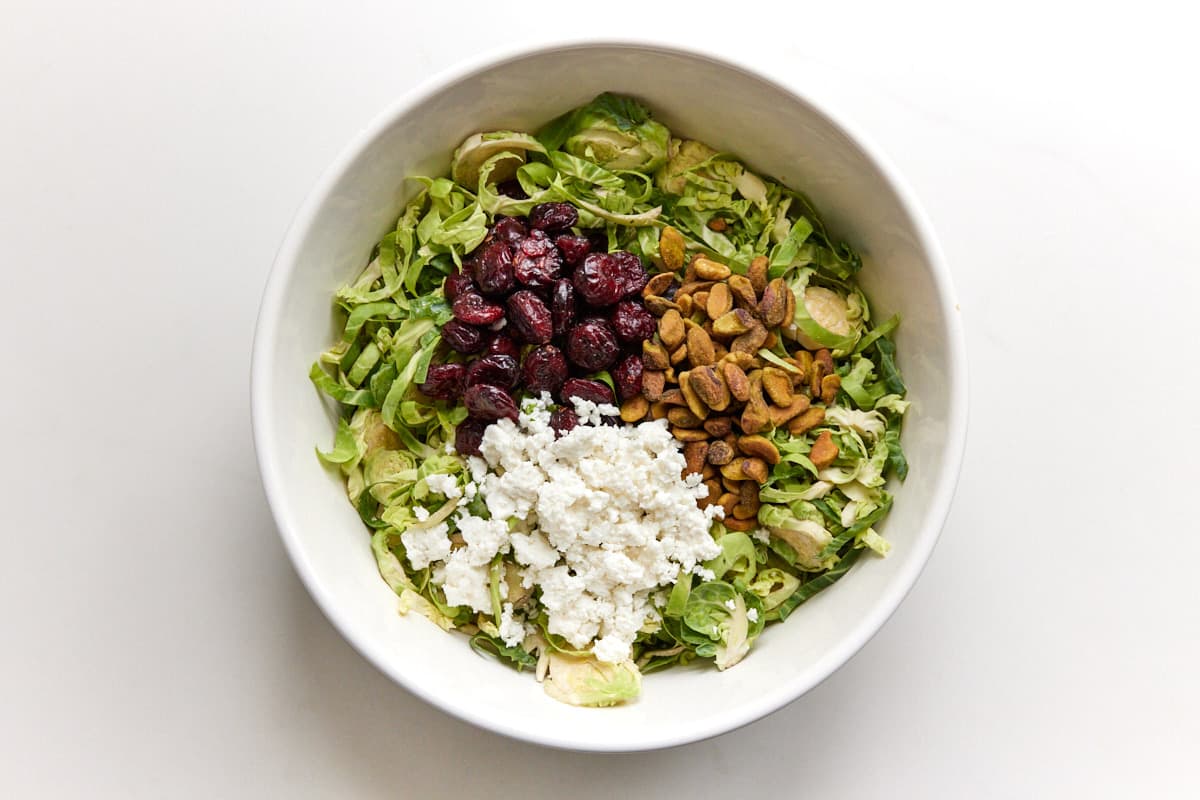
[732, 606]
[466, 584]
[445, 485]
[512, 630]
[421, 513]
[752, 614]
[706, 574]
[424, 545]
[470, 490]
[761, 535]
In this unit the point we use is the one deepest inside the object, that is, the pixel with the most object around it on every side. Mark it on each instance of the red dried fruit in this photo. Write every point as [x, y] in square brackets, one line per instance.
[550, 216]
[632, 322]
[628, 377]
[512, 188]
[475, 309]
[444, 381]
[502, 344]
[461, 337]
[573, 248]
[494, 268]
[632, 271]
[598, 280]
[544, 370]
[537, 262]
[489, 402]
[563, 421]
[592, 345]
[509, 229]
[585, 389]
[562, 306]
[469, 435]
[498, 370]
[457, 284]
[528, 317]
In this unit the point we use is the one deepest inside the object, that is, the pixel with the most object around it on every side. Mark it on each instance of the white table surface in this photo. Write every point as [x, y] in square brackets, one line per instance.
[156, 642]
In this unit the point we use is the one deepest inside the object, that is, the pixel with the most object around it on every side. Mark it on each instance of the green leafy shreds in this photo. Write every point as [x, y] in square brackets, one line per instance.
[487, 645]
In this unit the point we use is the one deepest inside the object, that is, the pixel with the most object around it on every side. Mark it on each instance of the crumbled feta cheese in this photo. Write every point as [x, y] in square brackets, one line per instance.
[512, 630]
[761, 535]
[426, 544]
[466, 584]
[603, 519]
[445, 485]
[732, 606]
[470, 490]
[752, 614]
[421, 513]
[705, 574]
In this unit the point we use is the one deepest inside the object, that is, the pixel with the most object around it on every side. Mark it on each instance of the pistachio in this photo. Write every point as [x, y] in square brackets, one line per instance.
[635, 408]
[658, 410]
[789, 310]
[824, 451]
[658, 285]
[771, 340]
[700, 347]
[700, 306]
[751, 340]
[733, 323]
[694, 455]
[814, 378]
[773, 305]
[749, 504]
[736, 380]
[654, 356]
[709, 471]
[777, 385]
[802, 361]
[684, 301]
[673, 397]
[708, 386]
[689, 395]
[780, 416]
[709, 270]
[671, 248]
[727, 501]
[689, 434]
[670, 329]
[756, 470]
[757, 273]
[653, 383]
[720, 300]
[755, 416]
[659, 305]
[743, 292]
[719, 453]
[733, 471]
[680, 354]
[825, 358]
[718, 426]
[717, 224]
[745, 361]
[693, 286]
[736, 524]
[715, 490]
[806, 421]
[759, 447]
[829, 388]
[682, 417]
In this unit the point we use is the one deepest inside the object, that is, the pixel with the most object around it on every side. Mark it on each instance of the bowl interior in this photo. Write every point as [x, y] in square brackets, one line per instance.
[360, 198]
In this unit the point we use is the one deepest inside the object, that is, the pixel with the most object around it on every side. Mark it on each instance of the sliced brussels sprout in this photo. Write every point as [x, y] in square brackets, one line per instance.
[824, 317]
[686, 154]
[806, 536]
[387, 471]
[615, 132]
[590, 682]
[478, 148]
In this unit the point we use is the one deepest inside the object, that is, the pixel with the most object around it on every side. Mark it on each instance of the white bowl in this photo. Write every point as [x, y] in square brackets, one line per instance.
[779, 133]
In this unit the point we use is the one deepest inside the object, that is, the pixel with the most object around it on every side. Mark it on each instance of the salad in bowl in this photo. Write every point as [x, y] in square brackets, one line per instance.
[611, 402]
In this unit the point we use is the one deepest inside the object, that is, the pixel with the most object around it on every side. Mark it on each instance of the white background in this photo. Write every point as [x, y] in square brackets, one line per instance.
[156, 642]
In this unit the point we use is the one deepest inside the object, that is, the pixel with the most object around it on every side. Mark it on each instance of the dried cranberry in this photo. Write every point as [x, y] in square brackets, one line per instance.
[632, 322]
[502, 344]
[599, 239]
[489, 402]
[563, 421]
[573, 248]
[461, 337]
[537, 262]
[497, 370]
[550, 216]
[444, 381]
[474, 309]
[494, 269]
[585, 389]
[633, 271]
[469, 436]
[509, 229]
[598, 280]
[529, 318]
[562, 306]
[544, 370]
[627, 376]
[457, 284]
[512, 188]
[592, 345]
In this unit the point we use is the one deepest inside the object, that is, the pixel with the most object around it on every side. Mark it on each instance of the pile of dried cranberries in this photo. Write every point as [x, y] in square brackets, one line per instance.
[538, 308]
